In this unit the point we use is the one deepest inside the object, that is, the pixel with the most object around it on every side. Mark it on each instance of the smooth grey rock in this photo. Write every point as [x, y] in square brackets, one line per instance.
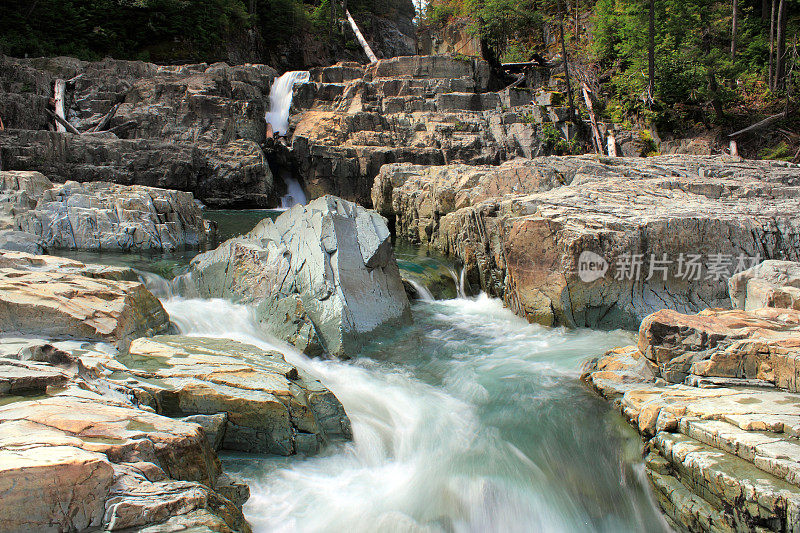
[107, 216]
[328, 265]
[20, 241]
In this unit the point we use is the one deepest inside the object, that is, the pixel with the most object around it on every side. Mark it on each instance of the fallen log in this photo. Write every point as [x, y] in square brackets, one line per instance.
[66, 125]
[364, 44]
[103, 124]
[125, 126]
[760, 125]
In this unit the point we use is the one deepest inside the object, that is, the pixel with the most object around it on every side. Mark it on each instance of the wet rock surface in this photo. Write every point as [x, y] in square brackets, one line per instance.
[521, 228]
[322, 276]
[269, 405]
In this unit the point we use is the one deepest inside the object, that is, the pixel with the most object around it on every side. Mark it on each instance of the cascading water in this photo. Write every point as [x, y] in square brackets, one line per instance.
[422, 291]
[280, 100]
[470, 419]
[294, 192]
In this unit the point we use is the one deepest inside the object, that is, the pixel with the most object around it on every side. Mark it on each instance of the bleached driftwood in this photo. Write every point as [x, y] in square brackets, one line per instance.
[104, 122]
[65, 126]
[59, 87]
[364, 44]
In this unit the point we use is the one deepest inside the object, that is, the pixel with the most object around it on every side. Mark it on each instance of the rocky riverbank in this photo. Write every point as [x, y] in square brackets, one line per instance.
[666, 231]
[128, 422]
[714, 395]
[97, 392]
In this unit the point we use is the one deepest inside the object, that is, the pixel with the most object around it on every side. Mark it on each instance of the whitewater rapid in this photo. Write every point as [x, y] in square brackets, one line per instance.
[469, 420]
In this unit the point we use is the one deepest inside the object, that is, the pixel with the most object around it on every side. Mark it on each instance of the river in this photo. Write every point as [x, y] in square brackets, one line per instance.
[468, 420]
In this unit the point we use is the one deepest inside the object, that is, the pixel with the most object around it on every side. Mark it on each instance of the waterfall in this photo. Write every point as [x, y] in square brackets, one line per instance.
[462, 283]
[280, 100]
[294, 192]
[422, 291]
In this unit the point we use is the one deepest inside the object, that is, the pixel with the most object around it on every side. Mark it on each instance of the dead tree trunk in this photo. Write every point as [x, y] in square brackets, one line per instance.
[59, 87]
[734, 25]
[771, 81]
[598, 141]
[780, 47]
[364, 44]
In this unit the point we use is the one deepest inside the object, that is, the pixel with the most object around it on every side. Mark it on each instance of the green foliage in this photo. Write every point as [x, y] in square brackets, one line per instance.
[554, 141]
[782, 152]
[164, 30]
[92, 29]
[693, 66]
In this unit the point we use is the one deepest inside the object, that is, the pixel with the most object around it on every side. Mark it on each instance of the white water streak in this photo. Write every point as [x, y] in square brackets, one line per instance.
[280, 99]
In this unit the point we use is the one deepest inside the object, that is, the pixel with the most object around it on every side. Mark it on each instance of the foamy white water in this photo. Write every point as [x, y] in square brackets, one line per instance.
[294, 192]
[280, 100]
[469, 420]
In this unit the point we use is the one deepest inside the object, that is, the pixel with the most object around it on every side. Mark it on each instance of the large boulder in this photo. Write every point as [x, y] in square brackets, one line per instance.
[270, 405]
[323, 273]
[60, 305]
[596, 241]
[769, 284]
[100, 216]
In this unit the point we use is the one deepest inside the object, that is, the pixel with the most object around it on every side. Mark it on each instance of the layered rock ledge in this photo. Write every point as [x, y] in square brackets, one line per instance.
[715, 396]
[38, 298]
[125, 438]
[98, 216]
[195, 128]
[521, 229]
[349, 120]
[321, 276]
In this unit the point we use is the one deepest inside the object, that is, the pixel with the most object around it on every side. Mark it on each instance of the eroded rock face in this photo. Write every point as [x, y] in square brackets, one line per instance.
[769, 284]
[59, 305]
[101, 216]
[271, 406]
[722, 450]
[55, 264]
[195, 128]
[762, 344]
[322, 275]
[350, 120]
[78, 460]
[522, 227]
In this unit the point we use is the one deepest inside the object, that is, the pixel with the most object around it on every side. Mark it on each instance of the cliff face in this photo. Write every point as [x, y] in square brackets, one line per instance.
[524, 229]
[196, 128]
